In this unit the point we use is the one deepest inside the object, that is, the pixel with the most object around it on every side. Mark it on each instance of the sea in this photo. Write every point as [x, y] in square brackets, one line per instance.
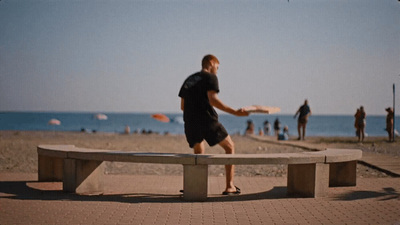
[318, 125]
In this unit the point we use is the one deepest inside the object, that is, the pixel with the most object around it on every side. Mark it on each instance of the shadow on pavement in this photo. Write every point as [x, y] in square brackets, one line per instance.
[23, 190]
[26, 190]
[388, 193]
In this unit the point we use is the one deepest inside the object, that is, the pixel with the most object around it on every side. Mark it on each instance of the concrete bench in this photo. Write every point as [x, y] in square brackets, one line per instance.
[310, 174]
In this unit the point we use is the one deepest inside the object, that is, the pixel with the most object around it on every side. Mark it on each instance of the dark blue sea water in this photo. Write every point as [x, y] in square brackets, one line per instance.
[318, 125]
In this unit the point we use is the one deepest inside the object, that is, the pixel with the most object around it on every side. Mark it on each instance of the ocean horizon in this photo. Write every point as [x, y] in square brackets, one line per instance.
[318, 125]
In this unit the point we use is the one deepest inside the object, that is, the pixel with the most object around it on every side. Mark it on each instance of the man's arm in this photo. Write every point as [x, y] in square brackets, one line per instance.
[295, 115]
[182, 104]
[217, 103]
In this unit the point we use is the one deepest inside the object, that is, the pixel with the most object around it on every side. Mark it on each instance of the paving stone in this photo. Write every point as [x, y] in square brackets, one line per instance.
[263, 201]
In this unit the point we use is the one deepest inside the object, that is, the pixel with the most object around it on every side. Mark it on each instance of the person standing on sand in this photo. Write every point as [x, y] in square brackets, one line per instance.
[250, 127]
[199, 96]
[389, 123]
[304, 112]
[356, 122]
[277, 127]
[267, 128]
[361, 124]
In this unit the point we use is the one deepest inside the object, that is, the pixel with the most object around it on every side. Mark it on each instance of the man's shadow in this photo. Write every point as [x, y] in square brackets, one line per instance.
[24, 190]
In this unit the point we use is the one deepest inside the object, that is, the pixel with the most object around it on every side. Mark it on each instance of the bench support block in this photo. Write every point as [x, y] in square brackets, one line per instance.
[83, 176]
[195, 182]
[308, 180]
[50, 168]
[343, 174]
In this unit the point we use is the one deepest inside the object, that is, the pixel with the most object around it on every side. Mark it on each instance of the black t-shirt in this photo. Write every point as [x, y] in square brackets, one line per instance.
[304, 110]
[197, 108]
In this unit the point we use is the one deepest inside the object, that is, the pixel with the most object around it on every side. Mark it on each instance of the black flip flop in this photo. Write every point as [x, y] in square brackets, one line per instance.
[232, 193]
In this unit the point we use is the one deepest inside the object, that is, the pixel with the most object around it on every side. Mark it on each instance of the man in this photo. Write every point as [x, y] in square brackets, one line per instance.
[199, 94]
[361, 124]
[277, 127]
[305, 112]
[389, 123]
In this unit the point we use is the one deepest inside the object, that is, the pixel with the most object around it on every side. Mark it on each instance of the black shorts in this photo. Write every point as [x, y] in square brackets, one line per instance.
[212, 132]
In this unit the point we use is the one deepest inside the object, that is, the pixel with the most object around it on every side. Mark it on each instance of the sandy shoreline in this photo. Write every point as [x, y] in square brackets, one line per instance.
[18, 151]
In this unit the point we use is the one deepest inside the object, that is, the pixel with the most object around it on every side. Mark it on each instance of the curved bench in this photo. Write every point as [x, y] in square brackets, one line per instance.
[309, 173]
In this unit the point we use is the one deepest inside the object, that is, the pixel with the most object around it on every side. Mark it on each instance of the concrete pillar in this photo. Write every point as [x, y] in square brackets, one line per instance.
[343, 174]
[195, 182]
[308, 180]
[50, 168]
[83, 176]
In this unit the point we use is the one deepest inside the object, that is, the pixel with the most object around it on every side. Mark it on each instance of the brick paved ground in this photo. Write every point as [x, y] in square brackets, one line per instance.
[131, 199]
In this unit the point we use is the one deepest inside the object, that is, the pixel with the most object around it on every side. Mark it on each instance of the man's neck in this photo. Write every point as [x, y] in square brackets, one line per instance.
[207, 71]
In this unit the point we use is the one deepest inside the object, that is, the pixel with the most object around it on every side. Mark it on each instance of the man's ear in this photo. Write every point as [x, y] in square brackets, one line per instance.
[208, 68]
[212, 64]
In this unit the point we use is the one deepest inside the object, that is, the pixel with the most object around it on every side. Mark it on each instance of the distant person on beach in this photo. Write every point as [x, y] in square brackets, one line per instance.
[356, 122]
[284, 135]
[199, 96]
[304, 112]
[360, 120]
[389, 123]
[250, 127]
[127, 130]
[260, 131]
[267, 128]
[277, 127]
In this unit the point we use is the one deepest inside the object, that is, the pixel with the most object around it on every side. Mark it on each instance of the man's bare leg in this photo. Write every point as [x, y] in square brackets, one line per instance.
[304, 131]
[229, 147]
[362, 134]
[299, 130]
[198, 148]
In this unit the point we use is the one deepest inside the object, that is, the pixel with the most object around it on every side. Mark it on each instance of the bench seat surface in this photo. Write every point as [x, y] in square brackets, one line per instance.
[138, 157]
[339, 155]
[248, 159]
[326, 156]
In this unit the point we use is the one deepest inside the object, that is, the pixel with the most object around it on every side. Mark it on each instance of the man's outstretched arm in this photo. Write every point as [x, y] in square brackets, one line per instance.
[217, 103]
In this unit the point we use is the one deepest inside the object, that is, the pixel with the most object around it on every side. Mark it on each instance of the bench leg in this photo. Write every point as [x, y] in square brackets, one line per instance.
[343, 174]
[308, 180]
[50, 168]
[195, 182]
[83, 176]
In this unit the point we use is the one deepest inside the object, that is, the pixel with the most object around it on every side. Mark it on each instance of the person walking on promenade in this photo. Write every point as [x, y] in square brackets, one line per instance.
[199, 96]
[360, 120]
[389, 123]
[304, 112]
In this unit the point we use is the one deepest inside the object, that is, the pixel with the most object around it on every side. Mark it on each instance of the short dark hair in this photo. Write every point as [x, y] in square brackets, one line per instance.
[208, 60]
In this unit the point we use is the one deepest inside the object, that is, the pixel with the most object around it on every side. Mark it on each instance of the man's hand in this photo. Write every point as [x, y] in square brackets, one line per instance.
[241, 112]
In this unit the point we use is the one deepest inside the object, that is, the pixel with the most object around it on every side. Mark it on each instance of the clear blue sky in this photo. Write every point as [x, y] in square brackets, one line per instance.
[133, 56]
